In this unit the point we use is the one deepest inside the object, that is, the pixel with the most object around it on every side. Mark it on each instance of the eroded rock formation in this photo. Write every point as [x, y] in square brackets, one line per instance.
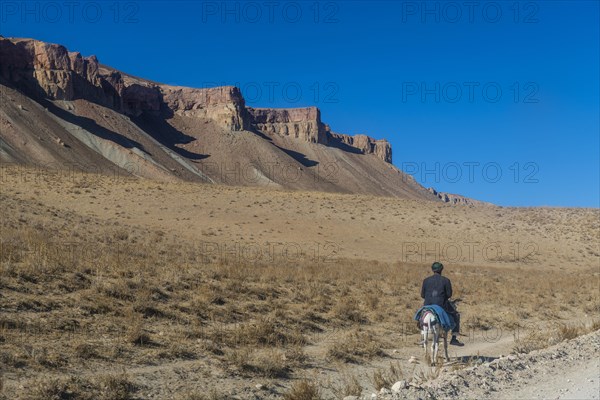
[224, 104]
[54, 72]
[456, 198]
[51, 70]
[366, 144]
[305, 124]
[301, 123]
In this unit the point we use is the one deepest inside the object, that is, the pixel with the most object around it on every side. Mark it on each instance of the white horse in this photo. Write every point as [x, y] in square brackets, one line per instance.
[430, 323]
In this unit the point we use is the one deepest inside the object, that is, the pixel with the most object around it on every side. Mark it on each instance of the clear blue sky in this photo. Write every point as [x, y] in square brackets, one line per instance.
[499, 101]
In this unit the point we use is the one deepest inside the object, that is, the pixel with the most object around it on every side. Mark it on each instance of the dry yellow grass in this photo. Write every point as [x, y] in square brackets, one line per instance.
[83, 292]
[303, 390]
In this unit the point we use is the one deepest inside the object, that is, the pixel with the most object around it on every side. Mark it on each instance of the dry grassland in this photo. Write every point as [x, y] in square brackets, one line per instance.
[94, 298]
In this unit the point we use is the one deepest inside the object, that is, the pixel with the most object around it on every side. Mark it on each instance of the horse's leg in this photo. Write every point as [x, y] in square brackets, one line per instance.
[446, 345]
[434, 345]
[425, 334]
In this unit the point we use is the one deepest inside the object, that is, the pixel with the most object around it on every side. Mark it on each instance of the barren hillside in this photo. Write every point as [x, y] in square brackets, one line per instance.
[61, 109]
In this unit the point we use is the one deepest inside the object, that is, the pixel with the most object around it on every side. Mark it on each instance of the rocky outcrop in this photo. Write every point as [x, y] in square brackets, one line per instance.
[55, 73]
[300, 123]
[139, 98]
[305, 124]
[224, 104]
[456, 198]
[366, 144]
[50, 70]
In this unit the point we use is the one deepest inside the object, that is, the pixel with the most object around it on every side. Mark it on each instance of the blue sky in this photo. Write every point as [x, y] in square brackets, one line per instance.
[495, 100]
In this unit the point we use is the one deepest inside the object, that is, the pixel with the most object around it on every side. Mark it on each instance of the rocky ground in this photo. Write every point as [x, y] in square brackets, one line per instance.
[569, 370]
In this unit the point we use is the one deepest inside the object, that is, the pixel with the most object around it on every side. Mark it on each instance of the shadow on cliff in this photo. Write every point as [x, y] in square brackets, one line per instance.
[301, 158]
[260, 134]
[338, 144]
[157, 127]
[91, 126]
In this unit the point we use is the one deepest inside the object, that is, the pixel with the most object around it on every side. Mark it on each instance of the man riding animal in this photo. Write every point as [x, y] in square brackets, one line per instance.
[437, 290]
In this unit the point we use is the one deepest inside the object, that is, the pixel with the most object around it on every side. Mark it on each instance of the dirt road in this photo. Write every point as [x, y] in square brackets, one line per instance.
[568, 370]
[581, 381]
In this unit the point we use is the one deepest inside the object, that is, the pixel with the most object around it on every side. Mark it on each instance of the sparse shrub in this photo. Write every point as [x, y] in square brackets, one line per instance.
[50, 389]
[121, 235]
[177, 351]
[85, 351]
[566, 332]
[372, 300]
[379, 379]
[262, 332]
[539, 339]
[118, 290]
[536, 339]
[135, 334]
[303, 390]
[115, 387]
[63, 388]
[295, 355]
[12, 359]
[354, 347]
[348, 385]
[348, 310]
[238, 358]
[593, 306]
[49, 358]
[270, 365]
[385, 378]
[428, 374]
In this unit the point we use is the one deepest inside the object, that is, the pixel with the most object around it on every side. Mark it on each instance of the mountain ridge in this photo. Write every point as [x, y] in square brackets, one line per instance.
[60, 107]
[62, 75]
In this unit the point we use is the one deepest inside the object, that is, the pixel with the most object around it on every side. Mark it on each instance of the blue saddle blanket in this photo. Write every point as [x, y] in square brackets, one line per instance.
[442, 316]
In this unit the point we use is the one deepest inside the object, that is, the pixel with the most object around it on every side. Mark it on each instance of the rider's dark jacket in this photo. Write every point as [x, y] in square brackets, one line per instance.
[437, 289]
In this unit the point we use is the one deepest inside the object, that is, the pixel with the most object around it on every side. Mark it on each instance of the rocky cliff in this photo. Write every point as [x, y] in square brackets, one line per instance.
[52, 71]
[300, 123]
[305, 124]
[457, 199]
[224, 105]
[366, 144]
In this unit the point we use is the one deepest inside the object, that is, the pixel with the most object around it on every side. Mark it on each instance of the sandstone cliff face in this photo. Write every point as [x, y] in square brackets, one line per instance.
[366, 144]
[55, 73]
[305, 124]
[225, 104]
[50, 69]
[301, 123]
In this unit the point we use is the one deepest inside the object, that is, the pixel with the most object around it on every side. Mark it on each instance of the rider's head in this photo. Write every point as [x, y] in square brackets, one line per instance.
[437, 267]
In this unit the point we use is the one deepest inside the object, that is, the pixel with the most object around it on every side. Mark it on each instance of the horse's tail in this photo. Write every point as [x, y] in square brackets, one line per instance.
[428, 322]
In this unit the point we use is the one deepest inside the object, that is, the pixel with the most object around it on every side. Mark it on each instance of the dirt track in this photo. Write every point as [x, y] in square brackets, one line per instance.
[569, 370]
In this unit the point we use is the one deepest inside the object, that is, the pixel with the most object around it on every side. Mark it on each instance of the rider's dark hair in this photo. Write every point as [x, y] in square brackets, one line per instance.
[437, 267]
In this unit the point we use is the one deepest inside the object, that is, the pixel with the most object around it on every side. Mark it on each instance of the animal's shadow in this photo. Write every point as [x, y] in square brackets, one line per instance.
[475, 359]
